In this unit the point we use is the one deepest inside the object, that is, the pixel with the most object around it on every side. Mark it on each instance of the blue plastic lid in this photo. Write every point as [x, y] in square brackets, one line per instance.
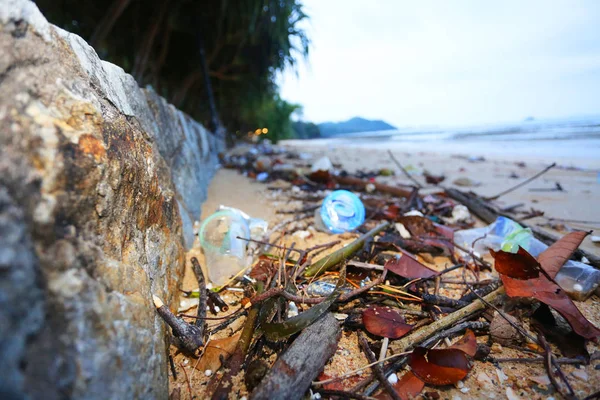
[342, 211]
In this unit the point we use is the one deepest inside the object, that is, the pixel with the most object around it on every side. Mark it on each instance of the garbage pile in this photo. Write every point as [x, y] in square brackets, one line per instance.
[413, 291]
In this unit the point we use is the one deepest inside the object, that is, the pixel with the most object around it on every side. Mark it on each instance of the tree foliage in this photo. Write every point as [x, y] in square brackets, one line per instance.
[163, 43]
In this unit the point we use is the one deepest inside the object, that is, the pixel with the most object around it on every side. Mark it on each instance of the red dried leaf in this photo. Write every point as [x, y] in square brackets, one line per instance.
[439, 367]
[409, 267]
[554, 257]
[544, 290]
[467, 344]
[386, 322]
[407, 387]
[521, 265]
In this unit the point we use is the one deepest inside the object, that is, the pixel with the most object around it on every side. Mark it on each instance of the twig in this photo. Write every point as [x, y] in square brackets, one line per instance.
[234, 363]
[188, 337]
[203, 296]
[362, 340]
[344, 253]
[172, 365]
[187, 380]
[404, 170]
[526, 181]
[411, 340]
[342, 394]
[536, 360]
[549, 361]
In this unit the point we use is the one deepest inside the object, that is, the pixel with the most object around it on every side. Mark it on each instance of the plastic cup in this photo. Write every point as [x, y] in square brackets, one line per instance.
[225, 254]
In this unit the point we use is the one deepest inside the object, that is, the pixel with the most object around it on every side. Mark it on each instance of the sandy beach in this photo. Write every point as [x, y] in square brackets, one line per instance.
[562, 211]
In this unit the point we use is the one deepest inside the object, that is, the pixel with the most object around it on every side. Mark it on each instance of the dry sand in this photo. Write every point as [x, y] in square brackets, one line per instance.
[577, 202]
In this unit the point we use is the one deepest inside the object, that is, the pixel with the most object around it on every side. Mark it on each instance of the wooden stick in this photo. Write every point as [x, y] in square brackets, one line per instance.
[302, 362]
[525, 182]
[377, 369]
[407, 342]
[344, 253]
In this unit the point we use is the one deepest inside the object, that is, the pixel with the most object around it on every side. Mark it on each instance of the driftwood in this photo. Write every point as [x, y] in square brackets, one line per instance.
[294, 371]
[380, 187]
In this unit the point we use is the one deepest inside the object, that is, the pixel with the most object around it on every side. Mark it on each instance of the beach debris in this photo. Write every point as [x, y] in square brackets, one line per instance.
[595, 239]
[434, 179]
[523, 276]
[385, 322]
[215, 352]
[224, 252]
[341, 211]
[419, 280]
[466, 182]
[292, 374]
[322, 164]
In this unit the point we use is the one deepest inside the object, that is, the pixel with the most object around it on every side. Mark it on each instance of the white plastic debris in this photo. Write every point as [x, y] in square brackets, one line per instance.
[186, 304]
[460, 213]
[393, 378]
[292, 309]
[595, 239]
[302, 234]
[208, 372]
[322, 164]
[413, 213]
[370, 188]
[402, 230]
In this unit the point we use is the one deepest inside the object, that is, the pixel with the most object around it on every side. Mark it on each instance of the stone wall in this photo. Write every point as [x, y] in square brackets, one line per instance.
[100, 182]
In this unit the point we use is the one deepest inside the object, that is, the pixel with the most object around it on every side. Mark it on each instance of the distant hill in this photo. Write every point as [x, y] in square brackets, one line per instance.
[355, 124]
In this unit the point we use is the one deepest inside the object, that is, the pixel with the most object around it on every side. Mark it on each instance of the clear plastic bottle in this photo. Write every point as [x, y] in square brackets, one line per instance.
[225, 254]
[341, 211]
[579, 280]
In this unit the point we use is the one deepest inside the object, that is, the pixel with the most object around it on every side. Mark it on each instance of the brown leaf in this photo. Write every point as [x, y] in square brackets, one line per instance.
[407, 387]
[554, 257]
[418, 226]
[444, 231]
[542, 289]
[521, 265]
[467, 344]
[216, 350]
[263, 270]
[385, 321]
[439, 367]
[409, 267]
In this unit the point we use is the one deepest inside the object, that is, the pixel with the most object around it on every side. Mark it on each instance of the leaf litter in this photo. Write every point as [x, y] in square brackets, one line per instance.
[430, 281]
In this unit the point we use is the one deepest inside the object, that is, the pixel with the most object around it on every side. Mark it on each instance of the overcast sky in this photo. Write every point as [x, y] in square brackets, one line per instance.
[449, 62]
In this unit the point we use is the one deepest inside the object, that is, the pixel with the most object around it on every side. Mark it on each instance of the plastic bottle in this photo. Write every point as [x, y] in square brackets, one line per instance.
[225, 254]
[577, 279]
[341, 211]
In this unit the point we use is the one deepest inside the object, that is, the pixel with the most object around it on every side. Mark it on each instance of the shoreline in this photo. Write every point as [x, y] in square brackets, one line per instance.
[540, 151]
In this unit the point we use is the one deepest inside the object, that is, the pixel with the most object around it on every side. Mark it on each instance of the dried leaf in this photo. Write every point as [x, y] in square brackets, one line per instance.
[281, 330]
[554, 257]
[418, 226]
[521, 265]
[407, 387]
[409, 267]
[444, 231]
[385, 321]
[263, 270]
[467, 344]
[215, 351]
[540, 288]
[439, 367]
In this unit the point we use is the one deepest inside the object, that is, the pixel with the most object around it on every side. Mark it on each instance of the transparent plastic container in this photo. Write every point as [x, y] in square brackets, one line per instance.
[225, 254]
[341, 211]
[577, 279]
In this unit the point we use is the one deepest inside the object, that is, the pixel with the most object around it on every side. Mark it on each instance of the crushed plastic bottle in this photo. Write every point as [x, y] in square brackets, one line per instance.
[341, 211]
[577, 279]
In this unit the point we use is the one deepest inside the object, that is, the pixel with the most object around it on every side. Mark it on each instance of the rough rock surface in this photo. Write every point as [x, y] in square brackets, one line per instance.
[99, 184]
